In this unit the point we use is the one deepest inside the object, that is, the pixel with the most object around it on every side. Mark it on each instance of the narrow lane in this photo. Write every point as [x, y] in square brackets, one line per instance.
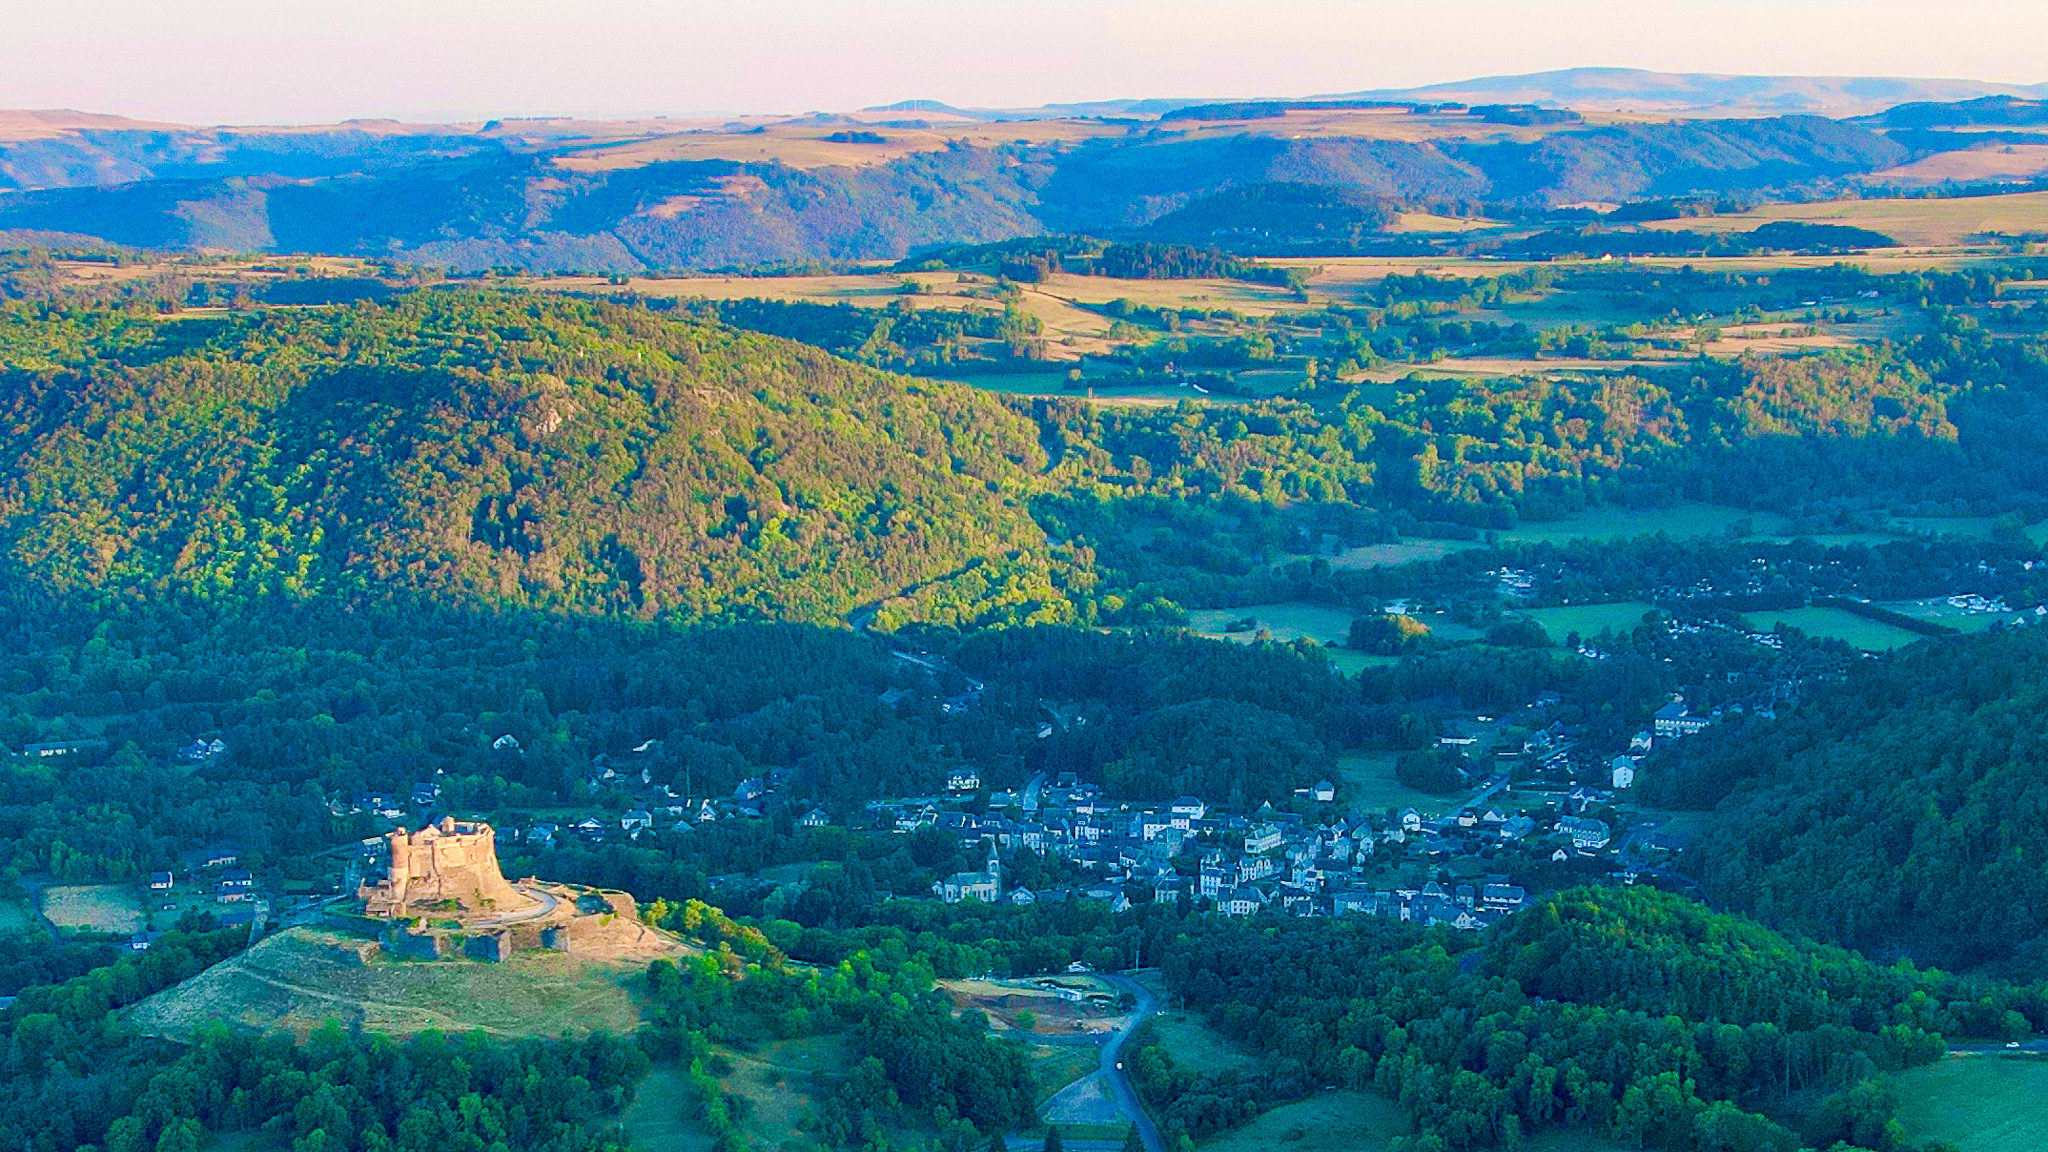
[1113, 1062]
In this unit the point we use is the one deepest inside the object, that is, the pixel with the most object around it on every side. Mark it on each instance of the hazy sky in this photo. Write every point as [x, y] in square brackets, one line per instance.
[274, 61]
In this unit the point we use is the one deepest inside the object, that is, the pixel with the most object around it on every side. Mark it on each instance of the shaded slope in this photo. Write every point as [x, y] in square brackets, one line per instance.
[1900, 812]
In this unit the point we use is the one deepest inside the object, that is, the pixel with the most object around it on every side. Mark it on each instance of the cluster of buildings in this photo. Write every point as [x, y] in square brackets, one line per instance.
[212, 879]
[1329, 863]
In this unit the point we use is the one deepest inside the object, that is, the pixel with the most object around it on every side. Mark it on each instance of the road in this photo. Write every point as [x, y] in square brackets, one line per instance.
[1113, 1062]
[542, 906]
[1032, 792]
[1493, 787]
[2034, 1046]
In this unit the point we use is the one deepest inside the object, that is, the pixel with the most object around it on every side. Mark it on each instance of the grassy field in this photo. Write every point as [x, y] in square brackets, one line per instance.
[1283, 622]
[1351, 661]
[1836, 624]
[1932, 223]
[1977, 1103]
[304, 976]
[14, 916]
[1680, 521]
[655, 1118]
[1365, 780]
[94, 907]
[778, 1083]
[1195, 1045]
[1326, 1122]
[1054, 1066]
[1960, 619]
[1398, 553]
[1589, 620]
[1967, 527]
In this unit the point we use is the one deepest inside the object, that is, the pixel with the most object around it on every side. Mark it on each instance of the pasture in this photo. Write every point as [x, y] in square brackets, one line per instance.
[1960, 619]
[1978, 1103]
[1285, 622]
[1965, 527]
[1835, 624]
[109, 908]
[1326, 1122]
[1687, 521]
[1945, 222]
[14, 916]
[1365, 780]
[1589, 620]
[1196, 1046]
[1398, 552]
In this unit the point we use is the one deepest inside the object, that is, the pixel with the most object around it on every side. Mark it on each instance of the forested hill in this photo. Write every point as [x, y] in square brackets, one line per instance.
[540, 451]
[1905, 810]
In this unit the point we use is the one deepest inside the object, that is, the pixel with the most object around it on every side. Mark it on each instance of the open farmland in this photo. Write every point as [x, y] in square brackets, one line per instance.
[1284, 622]
[1679, 521]
[1977, 1103]
[1836, 624]
[1931, 222]
[113, 908]
[1589, 620]
[1396, 553]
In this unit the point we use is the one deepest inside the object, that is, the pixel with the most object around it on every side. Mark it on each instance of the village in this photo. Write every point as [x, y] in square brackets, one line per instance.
[1542, 813]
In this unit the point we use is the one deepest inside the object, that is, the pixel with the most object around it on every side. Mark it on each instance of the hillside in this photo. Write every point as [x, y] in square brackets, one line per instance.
[798, 192]
[1899, 812]
[303, 977]
[540, 451]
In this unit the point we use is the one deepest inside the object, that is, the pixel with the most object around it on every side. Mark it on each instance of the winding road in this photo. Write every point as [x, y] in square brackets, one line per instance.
[1109, 1073]
[1113, 1062]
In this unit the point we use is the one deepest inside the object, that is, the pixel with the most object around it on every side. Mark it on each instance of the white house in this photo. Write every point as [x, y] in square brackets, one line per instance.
[1674, 720]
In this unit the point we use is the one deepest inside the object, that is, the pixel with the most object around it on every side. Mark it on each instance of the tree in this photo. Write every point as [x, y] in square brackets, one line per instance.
[1054, 1142]
[1132, 1141]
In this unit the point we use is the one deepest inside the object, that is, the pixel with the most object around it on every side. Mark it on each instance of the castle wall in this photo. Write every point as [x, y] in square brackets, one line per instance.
[452, 861]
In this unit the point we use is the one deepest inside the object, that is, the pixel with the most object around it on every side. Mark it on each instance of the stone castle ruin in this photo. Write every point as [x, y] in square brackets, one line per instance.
[450, 867]
[443, 894]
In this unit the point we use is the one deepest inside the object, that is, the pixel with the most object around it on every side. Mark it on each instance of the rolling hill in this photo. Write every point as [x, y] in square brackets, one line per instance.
[541, 451]
[805, 193]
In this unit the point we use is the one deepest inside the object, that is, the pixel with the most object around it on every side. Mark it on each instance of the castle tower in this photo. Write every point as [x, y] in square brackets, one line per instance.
[449, 868]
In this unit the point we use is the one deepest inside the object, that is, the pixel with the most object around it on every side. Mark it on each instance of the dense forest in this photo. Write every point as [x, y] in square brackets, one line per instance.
[1897, 813]
[1627, 1012]
[588, 456]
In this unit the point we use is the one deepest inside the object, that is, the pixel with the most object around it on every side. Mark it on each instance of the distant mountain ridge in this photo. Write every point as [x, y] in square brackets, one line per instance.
[669, 195]
[1636, 90]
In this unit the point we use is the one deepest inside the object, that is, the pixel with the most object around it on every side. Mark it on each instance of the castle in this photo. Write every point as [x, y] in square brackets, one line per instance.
[449, 868]
[443, 893]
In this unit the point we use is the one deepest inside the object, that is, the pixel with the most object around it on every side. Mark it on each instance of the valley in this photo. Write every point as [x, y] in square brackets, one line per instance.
[1498, 616]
